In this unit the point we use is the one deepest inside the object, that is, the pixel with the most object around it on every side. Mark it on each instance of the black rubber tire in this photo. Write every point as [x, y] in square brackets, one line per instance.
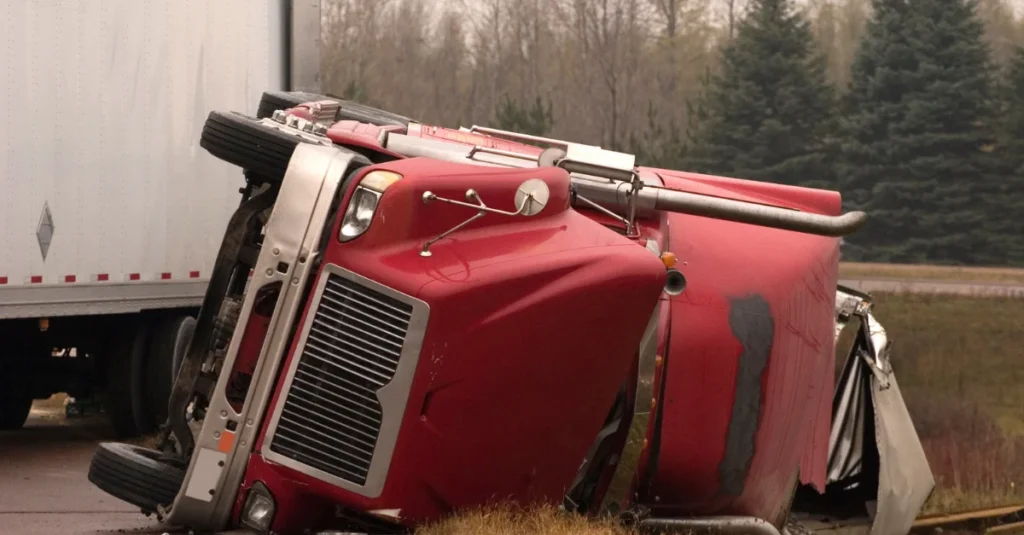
[167, 347]
[249, 144]
[260, 150]
[14, 411]
[122, 399]
[272, 101]
[135, 474]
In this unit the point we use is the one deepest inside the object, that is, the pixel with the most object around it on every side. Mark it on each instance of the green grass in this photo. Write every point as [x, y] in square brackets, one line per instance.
[960, 365]
[856, 270]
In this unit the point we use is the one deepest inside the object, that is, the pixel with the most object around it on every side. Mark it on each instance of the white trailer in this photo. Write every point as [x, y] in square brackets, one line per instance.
[111, 214]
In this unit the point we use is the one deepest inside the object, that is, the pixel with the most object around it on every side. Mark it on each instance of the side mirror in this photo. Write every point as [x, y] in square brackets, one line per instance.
[531, 199]
[532, 196]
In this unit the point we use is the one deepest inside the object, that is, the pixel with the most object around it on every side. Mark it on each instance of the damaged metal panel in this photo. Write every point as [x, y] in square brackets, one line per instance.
[904, 477]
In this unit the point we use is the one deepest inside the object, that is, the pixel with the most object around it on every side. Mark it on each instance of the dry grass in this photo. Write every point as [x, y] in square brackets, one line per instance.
[943, 273]
[506, 520]
[958, 360]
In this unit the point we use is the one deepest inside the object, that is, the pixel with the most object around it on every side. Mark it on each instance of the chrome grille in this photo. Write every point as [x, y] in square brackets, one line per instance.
[331, 418]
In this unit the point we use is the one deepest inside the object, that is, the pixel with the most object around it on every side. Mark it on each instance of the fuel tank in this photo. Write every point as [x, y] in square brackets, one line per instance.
[748, 370]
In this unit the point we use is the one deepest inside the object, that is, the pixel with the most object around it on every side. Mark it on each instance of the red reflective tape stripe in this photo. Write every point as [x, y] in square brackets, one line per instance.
[36, 279]
[193, 274]
[103, 277]
[134, 276]
[3, 280]
[69, 278]
[165, 276]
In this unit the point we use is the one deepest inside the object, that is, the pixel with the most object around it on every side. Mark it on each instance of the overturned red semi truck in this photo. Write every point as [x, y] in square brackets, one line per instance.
[406, 321]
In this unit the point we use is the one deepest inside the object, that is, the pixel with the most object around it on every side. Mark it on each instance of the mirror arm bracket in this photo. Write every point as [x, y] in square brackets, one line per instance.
[482, 210]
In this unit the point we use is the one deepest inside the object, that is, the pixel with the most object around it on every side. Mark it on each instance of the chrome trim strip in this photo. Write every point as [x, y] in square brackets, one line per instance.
[98, 298]
[292, 235]
[617, 496]
[392, 396]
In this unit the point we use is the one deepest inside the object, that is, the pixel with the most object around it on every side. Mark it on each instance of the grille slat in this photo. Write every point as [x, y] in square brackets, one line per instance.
[404, 311]
[324, 354]
[366, 393]
[351, 346]
[340, 408]
[295, 451]
[369, 312]
[333, 322]
[310, 388]
[331, 417]
[355, 344]
[308, 412]
[360, 445]
[378, 353]
[384, 335]
[342, 412]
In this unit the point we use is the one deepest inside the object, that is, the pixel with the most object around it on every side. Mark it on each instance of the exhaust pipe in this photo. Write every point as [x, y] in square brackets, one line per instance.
[615, 196]
[675, 283]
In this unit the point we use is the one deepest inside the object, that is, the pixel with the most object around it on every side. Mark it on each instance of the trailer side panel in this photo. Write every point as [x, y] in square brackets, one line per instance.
[102, 180]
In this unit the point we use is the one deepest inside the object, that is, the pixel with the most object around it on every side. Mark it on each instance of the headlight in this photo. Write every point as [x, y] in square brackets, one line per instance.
[363, 204]
[259, 509]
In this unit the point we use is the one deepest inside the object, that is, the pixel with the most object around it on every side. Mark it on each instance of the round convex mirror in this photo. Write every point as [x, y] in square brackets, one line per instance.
[532, 196]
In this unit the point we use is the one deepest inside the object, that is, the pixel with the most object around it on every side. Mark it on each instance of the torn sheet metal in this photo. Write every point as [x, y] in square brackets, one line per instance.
[905, 479]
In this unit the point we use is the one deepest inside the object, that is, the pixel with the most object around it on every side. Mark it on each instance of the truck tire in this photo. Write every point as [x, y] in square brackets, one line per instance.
[167, 348]
[249, 144]
[123, 396]
[136, 475]
[14, 411]
[351, 111]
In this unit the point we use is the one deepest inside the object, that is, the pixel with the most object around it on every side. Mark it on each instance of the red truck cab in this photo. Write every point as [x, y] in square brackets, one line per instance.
[407, 321]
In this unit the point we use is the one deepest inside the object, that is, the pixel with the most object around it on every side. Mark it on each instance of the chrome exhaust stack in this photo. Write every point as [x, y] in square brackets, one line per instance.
[608, 181]
[622, 191]
[618, 197]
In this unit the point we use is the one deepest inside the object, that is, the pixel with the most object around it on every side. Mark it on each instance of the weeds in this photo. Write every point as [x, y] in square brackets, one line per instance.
[958, 362]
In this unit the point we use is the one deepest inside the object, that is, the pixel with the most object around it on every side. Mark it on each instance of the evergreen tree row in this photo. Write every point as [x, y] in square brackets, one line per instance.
[928, 138]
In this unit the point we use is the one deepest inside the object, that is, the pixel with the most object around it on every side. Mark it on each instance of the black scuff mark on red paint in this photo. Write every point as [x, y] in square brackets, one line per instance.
[754, 328]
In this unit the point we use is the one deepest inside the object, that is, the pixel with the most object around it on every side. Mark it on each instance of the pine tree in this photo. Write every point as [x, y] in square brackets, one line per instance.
[1013, 133]
[917, 127]
[1011, 156]
[769, 113]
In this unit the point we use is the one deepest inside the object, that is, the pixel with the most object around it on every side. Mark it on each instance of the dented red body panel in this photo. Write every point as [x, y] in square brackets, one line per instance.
[748, 378]
[498, 292]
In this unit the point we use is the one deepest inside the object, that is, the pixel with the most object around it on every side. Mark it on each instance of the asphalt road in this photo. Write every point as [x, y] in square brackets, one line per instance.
[935, 286]
[43, 481]
[44, 487]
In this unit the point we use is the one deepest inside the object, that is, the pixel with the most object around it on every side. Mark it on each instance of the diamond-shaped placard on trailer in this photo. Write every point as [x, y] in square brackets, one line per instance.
[44, 231]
